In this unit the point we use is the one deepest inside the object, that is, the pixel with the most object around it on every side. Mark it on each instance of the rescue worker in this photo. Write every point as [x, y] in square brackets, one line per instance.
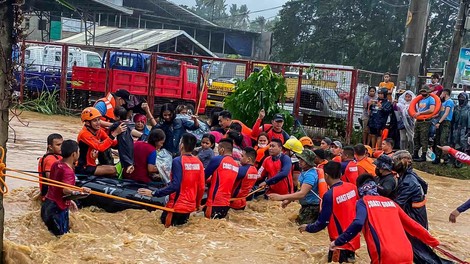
[458, 155]
[53, 154]
[106, 105]
[421, 137]
[292, 147]
[246, 179]
[443, 125]
[309, 193]
[276, 170]
[320, 158]
[387, 146]
[386, 182]
[349, 170]
[336, 150]
[306, 142]
[365, 164]
[379, 109]
[186, 187]
[273, 130]
[338, 210]
[221, 173]
[461, 125]
[411, 197]
[325, 143]
[92, 140]
[462, 208]
[384, 226]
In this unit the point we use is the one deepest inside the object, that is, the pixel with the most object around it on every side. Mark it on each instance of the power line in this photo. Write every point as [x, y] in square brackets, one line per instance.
[250, 12]
[453, 5]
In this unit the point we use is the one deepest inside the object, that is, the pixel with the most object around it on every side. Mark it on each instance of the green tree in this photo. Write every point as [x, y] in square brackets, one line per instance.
[261, 90]
[367, 34]
[258, 24]
[211, 10]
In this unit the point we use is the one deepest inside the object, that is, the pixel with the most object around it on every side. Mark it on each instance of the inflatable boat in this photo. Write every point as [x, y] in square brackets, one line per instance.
[122, 188]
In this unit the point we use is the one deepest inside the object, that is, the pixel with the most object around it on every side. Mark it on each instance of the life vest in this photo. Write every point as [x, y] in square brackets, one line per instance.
[337, 159]
[90, 144]
[271, 168]
[322, 186]
[260, 153]
[110, 103]
[246, 131]
[366, 165]
[384, 233]
[191, 188]
[350, 173]
[242, 187]
[221, 183]
[42, 172]
[321, 165]
[343, 213]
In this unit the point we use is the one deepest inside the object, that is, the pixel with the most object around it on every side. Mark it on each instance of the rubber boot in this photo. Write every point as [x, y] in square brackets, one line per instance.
[416, 156]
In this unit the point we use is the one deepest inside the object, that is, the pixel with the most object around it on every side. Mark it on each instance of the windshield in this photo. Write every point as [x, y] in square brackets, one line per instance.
[93, 61]
[332, 99]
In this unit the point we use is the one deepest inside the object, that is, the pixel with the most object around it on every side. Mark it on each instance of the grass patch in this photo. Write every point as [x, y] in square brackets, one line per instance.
[443, 170]
[47, 103]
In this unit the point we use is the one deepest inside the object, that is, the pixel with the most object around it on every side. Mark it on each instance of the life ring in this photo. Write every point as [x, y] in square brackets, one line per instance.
[412, 108]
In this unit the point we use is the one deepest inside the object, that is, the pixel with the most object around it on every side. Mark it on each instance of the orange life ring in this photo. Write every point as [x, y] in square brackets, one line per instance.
[412, 108]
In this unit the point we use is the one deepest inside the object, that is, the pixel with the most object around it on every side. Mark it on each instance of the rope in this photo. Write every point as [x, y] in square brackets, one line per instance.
[4, 189]
[59, 184]
[449, 255]
[240, 198]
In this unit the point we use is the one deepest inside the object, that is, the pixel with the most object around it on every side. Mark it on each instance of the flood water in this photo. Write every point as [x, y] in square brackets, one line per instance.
[263, 233]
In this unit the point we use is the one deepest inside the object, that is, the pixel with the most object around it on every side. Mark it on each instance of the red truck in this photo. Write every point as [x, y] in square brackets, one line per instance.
[175, 80]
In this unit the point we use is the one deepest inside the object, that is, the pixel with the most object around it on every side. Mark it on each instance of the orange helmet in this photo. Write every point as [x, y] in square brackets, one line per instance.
[89, 114]
[306, 141]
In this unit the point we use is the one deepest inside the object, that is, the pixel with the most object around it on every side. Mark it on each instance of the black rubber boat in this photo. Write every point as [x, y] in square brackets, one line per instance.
[122, 188]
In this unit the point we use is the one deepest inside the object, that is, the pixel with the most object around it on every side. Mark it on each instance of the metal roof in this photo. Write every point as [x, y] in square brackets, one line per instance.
[98, 6]
[167, 9]
[138, 39]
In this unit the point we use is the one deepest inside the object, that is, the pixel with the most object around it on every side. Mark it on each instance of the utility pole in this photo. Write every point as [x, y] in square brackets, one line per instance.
[6, 73]
[456, 45]
[415, 31]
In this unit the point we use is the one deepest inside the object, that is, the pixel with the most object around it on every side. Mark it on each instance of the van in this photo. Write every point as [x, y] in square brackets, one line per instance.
[49, 57]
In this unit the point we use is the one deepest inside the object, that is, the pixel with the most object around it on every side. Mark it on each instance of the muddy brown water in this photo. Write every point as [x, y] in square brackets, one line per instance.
[263, 233]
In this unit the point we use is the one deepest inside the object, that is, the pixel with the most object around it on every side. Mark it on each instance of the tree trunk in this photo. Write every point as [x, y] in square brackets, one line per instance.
[6, 42]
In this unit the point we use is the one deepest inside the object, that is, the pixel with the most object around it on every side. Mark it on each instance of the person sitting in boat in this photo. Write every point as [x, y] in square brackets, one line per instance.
[53, 154]
[186, 187]
[140, 121]
[173, 127]
[55, 209]
[145, 156]
[92, 140]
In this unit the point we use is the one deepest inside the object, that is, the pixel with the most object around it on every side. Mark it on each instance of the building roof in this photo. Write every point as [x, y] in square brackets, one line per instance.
[98, 6]
[168, 9]
[138, 39]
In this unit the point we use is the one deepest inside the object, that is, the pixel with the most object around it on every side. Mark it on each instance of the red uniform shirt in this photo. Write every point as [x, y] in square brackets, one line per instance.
[350, 173]
[223, 171]
[246, 179]
[384, 231]
[343, 213]
[189, 195]
[278, 171]
[60, 171]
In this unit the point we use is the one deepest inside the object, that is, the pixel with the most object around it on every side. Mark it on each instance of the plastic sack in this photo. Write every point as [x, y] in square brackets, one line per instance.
[198, 133]
[163, 162]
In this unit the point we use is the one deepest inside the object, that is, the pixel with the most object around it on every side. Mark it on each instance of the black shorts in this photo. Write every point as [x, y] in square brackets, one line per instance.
[174, 219]
[87, 170]
[344, 256]
[56, 220]
[216, 212]
[375, 131]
